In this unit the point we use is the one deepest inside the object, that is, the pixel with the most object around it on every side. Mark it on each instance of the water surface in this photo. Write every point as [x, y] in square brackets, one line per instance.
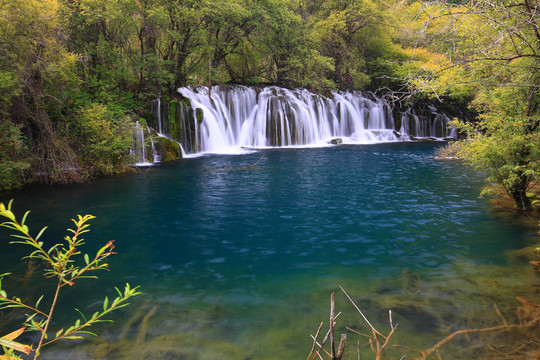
[237, 261]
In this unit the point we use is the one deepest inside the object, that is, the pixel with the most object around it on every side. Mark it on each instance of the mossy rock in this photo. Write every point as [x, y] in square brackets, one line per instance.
[172, 109]
[397, 119]
[200, 115]
[146, 115]
[171, 150]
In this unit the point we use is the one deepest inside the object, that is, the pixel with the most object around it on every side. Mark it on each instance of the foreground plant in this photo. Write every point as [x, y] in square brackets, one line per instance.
[61, 261]
[377, 341]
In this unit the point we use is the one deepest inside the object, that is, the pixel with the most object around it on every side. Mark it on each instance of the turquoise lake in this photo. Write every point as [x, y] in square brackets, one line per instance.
[236, 255]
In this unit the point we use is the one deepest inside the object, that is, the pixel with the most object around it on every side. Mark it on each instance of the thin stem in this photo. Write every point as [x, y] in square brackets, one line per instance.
[332, 320]
[315, 340]
[44, 332]
[20, 304]
[362, 314]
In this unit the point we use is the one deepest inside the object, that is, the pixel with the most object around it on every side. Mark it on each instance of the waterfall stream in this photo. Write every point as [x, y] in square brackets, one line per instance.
[235, 118]
[138, 150]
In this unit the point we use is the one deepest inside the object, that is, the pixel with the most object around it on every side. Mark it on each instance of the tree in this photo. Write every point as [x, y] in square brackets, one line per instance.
[182, 40]
[13, 165]
[291, 54]
[492, 53]
[104, 139]
[38, 72]
[341, 24]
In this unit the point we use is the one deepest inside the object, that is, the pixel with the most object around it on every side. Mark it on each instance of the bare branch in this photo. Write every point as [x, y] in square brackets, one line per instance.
[361, 313]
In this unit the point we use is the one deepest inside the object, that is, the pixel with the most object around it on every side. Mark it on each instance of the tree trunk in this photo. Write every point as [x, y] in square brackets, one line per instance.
[518, 192]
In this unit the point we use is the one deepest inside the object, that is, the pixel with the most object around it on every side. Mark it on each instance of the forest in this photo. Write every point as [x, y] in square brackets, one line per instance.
[75, 75]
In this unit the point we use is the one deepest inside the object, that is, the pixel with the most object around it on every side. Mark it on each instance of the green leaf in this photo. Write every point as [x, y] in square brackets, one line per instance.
[24, 217]
[40, 233]
[86, 259]
[105, 303]
[59, 332]
[82, 315]
[39, 300]
[86, 332]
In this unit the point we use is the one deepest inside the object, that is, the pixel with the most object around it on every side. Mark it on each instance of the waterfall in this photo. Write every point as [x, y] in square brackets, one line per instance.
[162, 117]
[160, 111]
[138, 150]
[142, 135]
[236, 117]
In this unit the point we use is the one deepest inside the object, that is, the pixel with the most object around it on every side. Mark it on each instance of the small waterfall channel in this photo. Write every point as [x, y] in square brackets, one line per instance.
[234, 118]
[138, 150]
[142, 142]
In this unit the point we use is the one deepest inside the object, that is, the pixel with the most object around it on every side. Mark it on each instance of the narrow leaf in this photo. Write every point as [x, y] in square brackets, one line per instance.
[39, 300]
[86, 332]
[40, 233]
[82, 315]
[24, 217]
[16, 346]
[14, 335]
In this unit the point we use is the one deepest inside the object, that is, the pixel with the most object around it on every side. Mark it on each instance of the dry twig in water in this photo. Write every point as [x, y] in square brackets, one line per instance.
[378, 342]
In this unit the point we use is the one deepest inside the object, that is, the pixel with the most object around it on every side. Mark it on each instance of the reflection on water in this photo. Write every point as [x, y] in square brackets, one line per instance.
[238, 261]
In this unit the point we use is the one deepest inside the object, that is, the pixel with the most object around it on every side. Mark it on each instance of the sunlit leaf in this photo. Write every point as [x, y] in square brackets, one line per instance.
[40, 233]
[14, 335]
[73, 337]
[16, 346]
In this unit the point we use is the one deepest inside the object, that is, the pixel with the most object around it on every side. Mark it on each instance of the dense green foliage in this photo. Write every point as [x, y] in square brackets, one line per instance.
[76, 74]
[492, 56]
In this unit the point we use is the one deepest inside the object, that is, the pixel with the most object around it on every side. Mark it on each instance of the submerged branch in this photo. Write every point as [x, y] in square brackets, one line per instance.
[426, 353]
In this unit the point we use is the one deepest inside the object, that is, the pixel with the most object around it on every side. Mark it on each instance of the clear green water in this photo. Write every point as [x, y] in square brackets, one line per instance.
[238, 262]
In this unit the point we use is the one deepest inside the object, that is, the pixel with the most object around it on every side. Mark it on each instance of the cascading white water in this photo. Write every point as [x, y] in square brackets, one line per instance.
[243, 117]
[138, 150]
[160, 121]
[159, 129]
